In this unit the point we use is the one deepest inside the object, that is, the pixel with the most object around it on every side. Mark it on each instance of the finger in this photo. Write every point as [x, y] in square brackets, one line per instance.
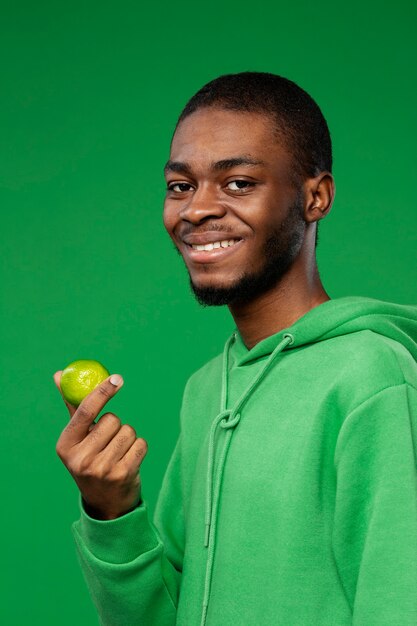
[88, 410]
[103, 432]
[119, 445]
[135, 455]
[57, 380]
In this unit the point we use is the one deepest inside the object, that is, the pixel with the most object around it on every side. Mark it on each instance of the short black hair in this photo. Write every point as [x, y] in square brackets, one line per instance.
[299, 120]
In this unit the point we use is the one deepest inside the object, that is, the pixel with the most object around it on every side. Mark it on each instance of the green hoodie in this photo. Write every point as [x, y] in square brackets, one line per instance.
[290, 498]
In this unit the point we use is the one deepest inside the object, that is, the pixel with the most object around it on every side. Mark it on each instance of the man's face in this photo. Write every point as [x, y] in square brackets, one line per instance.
[229, 178]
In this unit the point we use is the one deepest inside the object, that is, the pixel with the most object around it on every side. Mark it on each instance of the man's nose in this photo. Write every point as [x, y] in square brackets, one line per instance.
[203, 203]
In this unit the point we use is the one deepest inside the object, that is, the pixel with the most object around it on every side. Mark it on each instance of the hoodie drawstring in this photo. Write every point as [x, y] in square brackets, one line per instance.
[228, 419]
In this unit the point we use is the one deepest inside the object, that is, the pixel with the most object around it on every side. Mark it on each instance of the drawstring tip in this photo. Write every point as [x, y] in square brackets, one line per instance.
[204, 615]
[206, 538]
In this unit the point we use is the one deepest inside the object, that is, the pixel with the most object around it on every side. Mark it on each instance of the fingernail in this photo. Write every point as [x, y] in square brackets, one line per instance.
[116, 380]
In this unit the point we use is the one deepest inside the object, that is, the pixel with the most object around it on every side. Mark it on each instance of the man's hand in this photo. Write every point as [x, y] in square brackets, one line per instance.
[104, 457]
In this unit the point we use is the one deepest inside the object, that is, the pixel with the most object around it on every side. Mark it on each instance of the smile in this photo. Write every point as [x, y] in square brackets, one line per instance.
[211, 252]
[225, 243]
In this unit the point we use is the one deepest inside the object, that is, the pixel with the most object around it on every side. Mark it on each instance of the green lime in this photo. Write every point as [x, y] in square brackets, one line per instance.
[79, 378]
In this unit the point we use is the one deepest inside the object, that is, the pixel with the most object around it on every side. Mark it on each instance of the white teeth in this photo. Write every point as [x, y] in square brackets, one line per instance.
[216, 244]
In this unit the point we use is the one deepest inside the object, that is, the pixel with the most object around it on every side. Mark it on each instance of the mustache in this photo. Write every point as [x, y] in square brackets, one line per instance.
[212, 228]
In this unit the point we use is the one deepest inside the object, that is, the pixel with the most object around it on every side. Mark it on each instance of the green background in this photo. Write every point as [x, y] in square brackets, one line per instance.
[90, 92]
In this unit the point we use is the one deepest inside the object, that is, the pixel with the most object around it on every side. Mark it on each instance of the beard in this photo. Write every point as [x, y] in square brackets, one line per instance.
[279, 253]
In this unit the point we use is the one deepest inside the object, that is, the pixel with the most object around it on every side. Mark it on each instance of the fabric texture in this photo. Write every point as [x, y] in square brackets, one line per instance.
[290, 498]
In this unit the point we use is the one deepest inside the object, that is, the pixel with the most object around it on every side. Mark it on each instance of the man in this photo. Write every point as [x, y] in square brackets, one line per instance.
[291, 495]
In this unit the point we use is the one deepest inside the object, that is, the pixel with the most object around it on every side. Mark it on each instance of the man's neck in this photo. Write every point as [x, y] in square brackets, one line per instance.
[277, 309]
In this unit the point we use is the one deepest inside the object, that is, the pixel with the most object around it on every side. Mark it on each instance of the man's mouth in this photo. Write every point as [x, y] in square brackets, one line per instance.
[213, 251]
[225, 243]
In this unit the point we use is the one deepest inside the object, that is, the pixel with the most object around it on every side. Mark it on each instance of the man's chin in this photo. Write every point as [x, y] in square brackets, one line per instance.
[212, 295]
[239, 293]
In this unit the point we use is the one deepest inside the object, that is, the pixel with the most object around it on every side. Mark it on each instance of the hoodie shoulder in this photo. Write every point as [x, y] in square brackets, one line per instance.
[380, 359]
[405, 361]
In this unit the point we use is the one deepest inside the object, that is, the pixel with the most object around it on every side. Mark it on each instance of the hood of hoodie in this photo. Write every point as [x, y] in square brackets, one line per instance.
[332, 318]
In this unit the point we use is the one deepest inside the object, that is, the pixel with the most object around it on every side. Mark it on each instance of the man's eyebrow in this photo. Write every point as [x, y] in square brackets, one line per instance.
[227, 164]
[217, 166]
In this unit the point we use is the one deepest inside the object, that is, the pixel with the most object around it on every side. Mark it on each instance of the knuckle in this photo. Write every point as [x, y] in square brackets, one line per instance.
[141, 448]
[143, 444]
[100, 471]
[108, 416]
[110, 419]
[84, 412]
[139, 454]
[104, 391]
[119, 441]
[120, 474]
[129, 430]
[95, 433]
[82, 466]
[69, 427]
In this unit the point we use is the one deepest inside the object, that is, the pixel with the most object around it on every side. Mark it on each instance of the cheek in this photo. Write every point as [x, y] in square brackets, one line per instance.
[168, 218]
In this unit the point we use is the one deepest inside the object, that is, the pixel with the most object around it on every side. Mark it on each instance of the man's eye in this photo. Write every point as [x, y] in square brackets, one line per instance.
[234, 185]
[179, 187]
[238, 185]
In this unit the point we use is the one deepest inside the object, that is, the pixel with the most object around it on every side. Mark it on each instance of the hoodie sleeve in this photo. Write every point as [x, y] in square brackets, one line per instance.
[375, 523]
[132, 566]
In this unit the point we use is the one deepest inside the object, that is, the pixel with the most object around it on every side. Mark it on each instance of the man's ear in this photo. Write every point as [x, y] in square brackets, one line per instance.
[319, 196]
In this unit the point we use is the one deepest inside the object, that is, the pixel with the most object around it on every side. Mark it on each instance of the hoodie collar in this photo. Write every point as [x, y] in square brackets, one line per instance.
[339, 316]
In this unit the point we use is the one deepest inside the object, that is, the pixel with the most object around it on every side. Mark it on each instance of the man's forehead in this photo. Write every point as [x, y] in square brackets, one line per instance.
[218, 139]
[239, 129]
